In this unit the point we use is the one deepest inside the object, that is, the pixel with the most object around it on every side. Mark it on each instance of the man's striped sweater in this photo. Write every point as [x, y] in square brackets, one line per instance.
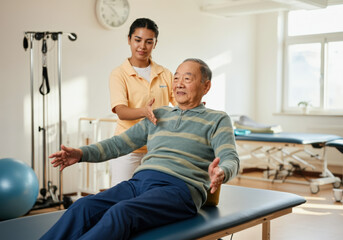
[182, 144]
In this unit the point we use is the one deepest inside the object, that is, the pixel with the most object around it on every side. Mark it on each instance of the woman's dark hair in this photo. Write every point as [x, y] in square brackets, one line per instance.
[144, 23]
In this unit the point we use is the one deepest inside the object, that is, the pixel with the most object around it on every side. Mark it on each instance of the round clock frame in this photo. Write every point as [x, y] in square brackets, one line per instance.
[112, 14]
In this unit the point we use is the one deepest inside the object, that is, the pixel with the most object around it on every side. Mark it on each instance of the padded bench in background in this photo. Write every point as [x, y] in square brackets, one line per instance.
[338, 144]
[285, 150]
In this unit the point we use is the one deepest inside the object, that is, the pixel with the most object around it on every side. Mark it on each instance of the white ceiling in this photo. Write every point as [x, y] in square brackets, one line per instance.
[228, 8]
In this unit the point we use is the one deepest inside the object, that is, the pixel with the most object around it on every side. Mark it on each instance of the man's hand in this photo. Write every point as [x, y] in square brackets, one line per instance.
[66, 157]
[216, 175]
[148, 113]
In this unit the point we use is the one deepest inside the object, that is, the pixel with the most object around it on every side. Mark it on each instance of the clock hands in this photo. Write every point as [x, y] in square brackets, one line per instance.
[110, 5]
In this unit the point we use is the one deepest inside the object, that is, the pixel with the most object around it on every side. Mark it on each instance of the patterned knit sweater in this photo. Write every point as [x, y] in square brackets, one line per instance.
[183, 144]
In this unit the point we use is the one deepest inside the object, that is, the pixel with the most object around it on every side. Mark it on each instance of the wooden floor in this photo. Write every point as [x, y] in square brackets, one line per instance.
[319, 218]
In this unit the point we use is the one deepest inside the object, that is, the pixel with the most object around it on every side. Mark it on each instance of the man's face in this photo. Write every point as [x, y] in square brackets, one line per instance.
[187, 85]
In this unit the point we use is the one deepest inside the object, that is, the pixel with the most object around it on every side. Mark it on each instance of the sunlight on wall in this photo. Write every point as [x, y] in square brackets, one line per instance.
[71, 90]
[27, 114]
[216, 97]
[220, 60]
[74, 97]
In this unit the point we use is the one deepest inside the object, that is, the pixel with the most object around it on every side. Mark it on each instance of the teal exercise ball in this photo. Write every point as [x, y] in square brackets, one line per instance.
[18, 188]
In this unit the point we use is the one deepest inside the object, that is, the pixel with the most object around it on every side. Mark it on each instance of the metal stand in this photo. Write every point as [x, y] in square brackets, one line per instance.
[48, 191]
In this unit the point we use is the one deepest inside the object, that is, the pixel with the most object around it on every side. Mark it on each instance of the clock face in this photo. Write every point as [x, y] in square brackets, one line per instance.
[112, 13]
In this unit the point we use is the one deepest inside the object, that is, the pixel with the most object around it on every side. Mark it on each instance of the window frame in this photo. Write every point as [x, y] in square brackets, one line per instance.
[323, 39]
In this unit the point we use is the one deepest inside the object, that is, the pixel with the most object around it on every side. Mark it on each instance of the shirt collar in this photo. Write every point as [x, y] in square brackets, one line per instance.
[128, 68]
[155, 68]
[199, 109]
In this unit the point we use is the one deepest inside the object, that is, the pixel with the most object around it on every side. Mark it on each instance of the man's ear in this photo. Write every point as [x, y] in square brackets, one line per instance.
[207, 86]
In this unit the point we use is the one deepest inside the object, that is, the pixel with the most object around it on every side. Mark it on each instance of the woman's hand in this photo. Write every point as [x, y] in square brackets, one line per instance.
[66, 157]
[148, 113]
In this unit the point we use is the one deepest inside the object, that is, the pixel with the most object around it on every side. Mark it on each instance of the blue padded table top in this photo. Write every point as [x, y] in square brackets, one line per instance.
[237, 205]
[288, 137]
[28, 227]
[338, 143]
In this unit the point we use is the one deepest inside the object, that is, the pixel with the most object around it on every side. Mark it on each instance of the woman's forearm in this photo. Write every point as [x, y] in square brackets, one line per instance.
[127, 113]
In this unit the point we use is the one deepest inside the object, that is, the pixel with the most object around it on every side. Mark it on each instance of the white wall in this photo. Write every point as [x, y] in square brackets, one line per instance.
[228, 45]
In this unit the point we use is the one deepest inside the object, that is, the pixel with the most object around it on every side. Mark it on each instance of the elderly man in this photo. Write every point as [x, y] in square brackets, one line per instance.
[191, 149]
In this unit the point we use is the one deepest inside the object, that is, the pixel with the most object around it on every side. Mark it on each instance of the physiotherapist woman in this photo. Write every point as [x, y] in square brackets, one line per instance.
[138, 86]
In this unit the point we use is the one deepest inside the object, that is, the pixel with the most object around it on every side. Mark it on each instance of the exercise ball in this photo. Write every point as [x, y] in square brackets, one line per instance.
[18, 188]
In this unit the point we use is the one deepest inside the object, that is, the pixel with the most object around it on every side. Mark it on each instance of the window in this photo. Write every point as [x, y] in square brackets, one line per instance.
[314, 60]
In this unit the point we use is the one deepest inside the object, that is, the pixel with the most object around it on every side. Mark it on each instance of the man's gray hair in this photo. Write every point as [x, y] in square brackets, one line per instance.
[206, 73]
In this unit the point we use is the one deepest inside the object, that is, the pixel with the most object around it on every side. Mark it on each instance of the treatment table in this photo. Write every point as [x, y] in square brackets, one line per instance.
[338, 144]
[239, 208]
[270, 150]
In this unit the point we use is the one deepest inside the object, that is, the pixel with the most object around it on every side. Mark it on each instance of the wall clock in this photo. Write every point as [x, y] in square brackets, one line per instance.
[112, 13]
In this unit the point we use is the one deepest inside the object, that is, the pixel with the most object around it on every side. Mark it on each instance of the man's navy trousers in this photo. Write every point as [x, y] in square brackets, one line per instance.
[150, 199]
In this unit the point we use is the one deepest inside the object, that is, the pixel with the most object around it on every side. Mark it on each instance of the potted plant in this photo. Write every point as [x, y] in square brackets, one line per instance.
[305, 106]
